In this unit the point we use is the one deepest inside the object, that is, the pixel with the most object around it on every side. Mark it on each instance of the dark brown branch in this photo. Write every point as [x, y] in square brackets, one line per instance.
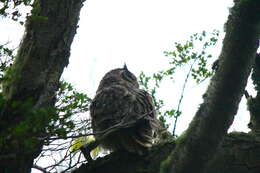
[231, 157]
[124, 162]
[246, 94]
[40, 168]
[104, 133]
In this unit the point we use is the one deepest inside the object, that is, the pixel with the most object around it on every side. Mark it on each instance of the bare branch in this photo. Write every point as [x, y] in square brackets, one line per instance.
[40, 168]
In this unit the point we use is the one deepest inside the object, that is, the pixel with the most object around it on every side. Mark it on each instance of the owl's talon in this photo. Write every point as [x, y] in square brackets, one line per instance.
[87, 148]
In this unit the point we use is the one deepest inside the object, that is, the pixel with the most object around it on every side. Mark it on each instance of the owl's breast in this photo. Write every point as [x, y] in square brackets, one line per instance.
[109, 106]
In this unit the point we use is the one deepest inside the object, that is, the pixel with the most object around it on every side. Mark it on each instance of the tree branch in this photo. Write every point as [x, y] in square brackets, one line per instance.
[40, 168]
[33, 79]
[238, 153]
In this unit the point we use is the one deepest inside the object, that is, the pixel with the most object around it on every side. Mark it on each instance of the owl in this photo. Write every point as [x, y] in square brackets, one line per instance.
[123, 116]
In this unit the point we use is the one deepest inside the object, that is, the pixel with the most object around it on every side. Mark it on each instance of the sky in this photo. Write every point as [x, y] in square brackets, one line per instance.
[137, 32]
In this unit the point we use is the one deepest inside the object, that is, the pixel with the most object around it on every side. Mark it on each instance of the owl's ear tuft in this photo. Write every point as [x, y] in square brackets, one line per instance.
[125, 67]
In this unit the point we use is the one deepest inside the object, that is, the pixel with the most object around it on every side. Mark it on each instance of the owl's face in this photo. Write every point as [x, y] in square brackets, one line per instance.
[121, 76]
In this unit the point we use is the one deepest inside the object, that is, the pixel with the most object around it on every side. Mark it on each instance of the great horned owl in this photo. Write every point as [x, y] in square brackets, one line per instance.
[123, 115]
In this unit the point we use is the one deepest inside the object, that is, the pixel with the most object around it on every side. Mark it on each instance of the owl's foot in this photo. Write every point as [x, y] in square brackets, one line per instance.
[87, 148]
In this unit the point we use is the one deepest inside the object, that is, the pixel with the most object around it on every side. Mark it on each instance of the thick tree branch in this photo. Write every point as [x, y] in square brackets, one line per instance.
[124, 162]
[239, 153]
[224, 93]
[34, 77]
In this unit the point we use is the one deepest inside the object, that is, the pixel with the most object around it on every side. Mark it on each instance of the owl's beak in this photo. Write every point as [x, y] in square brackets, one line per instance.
[125, 67]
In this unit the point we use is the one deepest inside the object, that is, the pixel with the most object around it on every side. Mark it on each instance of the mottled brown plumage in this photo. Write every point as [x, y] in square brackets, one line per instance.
[123, 116]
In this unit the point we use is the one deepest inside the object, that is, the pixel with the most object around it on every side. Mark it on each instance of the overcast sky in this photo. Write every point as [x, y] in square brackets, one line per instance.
[136, 32]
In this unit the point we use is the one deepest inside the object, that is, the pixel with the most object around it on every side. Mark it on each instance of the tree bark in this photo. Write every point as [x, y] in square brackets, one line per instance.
[239, 153]
[33, 79]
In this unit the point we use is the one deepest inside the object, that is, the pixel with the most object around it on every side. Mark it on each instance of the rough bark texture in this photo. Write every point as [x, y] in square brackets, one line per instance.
[254, 102]
[34, 79]
[122, 162]
[239, 153]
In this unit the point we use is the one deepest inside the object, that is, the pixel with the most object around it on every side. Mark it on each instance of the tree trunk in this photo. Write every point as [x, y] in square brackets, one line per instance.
[33, 79]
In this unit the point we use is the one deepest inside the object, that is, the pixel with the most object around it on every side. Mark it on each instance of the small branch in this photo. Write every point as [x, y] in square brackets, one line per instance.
[117, 126]
[40, 168]
[246, 94]
[182, 94]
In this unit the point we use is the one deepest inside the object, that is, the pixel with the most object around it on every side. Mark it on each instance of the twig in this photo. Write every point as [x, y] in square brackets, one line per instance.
[119, 125]
[40, 168]
[182, 94]
[246, 94]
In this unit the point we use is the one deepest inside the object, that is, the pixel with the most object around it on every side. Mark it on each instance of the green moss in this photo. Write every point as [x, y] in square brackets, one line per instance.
[36, 8]
[38, 21]
[180, 139]
[165, 165]
[10, 78]
[24, 134]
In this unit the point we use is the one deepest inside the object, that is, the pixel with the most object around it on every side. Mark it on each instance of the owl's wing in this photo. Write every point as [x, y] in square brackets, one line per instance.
[118, 108]
[109, 107]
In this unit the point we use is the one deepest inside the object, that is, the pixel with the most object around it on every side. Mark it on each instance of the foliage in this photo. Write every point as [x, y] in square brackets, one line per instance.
[11, 8]
[192, 54]
[69, 122]
[6, 59]
[56, 126]
[69, 103]
[81, 141]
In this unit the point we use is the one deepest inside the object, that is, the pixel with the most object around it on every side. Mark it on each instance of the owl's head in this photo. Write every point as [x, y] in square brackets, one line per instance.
[119, 76]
